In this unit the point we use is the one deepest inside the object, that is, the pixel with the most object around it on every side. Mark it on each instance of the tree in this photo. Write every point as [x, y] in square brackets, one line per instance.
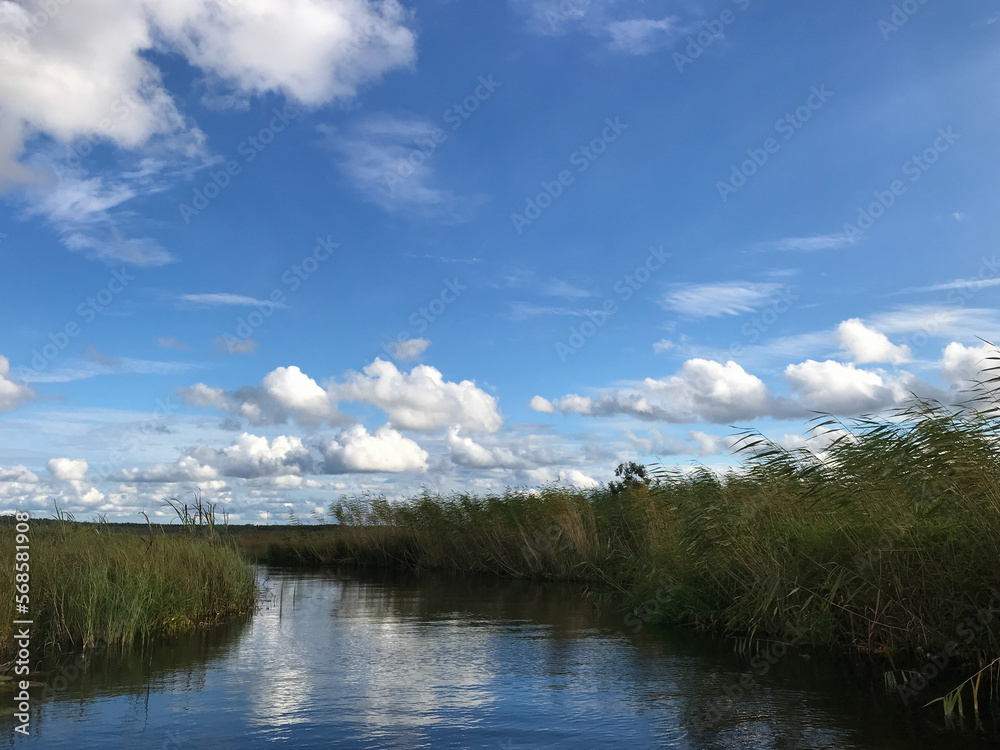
[631, 475]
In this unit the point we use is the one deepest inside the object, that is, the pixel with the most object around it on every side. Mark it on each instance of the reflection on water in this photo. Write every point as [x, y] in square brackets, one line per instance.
[338, 661]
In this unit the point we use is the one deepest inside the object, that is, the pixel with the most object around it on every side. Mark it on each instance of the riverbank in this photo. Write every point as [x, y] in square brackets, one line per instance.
[93, 586]
[883, 542]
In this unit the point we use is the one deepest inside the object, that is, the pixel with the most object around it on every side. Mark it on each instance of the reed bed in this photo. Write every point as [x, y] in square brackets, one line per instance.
[92, 586]
[886, 541]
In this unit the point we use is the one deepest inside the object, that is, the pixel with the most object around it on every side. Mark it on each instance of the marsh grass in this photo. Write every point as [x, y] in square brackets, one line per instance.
[93, 586]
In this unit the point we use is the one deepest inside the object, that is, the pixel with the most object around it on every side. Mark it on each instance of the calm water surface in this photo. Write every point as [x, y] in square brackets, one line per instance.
[339, 661]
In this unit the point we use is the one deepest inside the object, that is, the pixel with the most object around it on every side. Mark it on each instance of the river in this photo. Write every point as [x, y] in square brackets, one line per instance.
[341, 661]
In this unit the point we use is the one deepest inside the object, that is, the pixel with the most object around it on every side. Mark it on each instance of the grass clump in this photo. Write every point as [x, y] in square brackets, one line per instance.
[92, 586]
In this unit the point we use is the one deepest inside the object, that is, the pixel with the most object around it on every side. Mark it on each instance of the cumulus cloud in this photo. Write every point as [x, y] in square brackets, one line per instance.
[868, 345]
[87, 77]
[251, 456]
[18, 473]
[467, 452]
[12, 394]
[702, 391]
[961, 365]
[247, 457]
[542, 405]
[837, 388]
[68, 469]
[355, 450]
[284, 393]
[421, 399]
[87, 66]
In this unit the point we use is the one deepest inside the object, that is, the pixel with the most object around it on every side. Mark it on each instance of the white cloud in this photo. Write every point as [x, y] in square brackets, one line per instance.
[663, 345]
[229, 345]
[186, 469]
[12, 394]
[561, 288]
[561, 477]
[950, 321]
[611, 20]
[542, 405]
[961, 364]
[844, 389]
[172, 342]
[868, 345]
[467, 452]
[811, 244]
[383, 159]
[715, 300]
[703, 390]
[18, 473]
[409, 349]
[252, 456]
[640, 36]
[87, 78]
[967, 285]
[421, 400]
[285, 392]
[698, 443]
[354, 450]
[74, 473]
[228, 299]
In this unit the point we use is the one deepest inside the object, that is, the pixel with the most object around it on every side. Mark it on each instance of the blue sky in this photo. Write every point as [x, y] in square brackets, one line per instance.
[287, 251]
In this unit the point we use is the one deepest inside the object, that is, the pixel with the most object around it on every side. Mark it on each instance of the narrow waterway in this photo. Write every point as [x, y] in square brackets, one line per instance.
[339, 661]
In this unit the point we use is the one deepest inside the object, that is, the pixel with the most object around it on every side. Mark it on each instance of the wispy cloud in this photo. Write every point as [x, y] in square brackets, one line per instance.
[215, 299]
[810, 244]
[383, 159]
[172, 342]
[560, 288]
[969, 284]
[526, 310]
[640, 36]
[716, 300]
[623, 25]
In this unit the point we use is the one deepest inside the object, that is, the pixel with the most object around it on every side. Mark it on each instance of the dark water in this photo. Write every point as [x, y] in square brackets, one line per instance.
[423, 662]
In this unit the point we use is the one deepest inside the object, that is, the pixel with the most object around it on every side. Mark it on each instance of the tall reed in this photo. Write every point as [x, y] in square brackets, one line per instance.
[93, 586]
